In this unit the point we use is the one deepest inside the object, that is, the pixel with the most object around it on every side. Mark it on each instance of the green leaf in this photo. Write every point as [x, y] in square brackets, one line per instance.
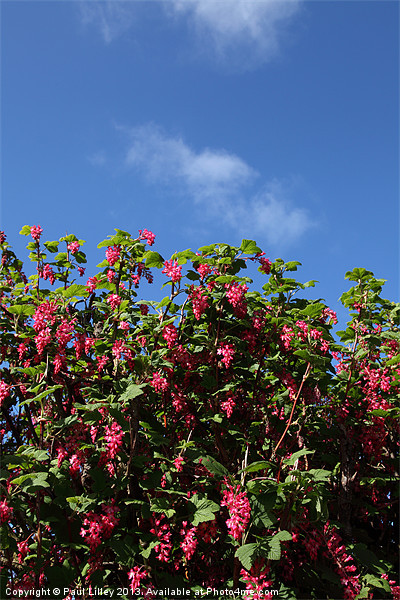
[247, 555]
[26, 230]
[22, 309]
[74, 290]
[132, 391]
[39, 397]
[393, 361]
[162, 505]
[290, 461]
[313, 310]
[153, 259]
[292, 265]
[259, 465]
[213, 465]
[205, 510]
[249, 247]
[52, 246]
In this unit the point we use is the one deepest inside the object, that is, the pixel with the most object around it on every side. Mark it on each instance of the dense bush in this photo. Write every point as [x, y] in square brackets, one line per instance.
[220, 438]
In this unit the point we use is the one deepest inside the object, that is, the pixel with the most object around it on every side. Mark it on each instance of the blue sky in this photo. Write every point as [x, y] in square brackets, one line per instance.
[205, 121]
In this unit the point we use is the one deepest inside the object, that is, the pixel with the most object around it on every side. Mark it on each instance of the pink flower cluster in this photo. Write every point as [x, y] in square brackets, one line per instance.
[227, 351]
[112, 254]
[162, 531]
[172, 270]
[114, 301]
[136, 575]
[47, 273]
[189, 542]
[36, 232]
[199, 301]
[239, 510]
[4, 391]
[5, 512]
[235, 293]
[204, 270]
[73, 247]
[343, 561]
[113, 435]
[160, 384]
[147, 235]
[228, 405]
[395, 589]
[170, 335]
[286, 336]
[99, 527]
[91, 284]
[256, 581]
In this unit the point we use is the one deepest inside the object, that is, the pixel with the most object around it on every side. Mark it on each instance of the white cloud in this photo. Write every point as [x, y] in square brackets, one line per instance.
[208, 174]
[243, 32]
[111, 17]
[98, 159]
[218, 182]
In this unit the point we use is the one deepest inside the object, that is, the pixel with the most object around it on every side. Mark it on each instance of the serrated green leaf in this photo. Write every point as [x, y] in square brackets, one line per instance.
[153, 259]
[247, 555]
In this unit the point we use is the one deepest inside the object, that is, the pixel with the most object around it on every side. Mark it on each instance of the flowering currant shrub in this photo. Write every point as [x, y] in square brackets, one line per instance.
[220, 437]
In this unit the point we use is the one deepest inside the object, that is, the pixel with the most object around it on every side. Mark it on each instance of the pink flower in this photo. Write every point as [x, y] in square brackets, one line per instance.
[189, 542]
[113, 436]
[239, 510]
[265, 265]
[23, 550]
[160, 384]
[228, 406]
[36, 232]
[4, 391]
[227, 351]
[113, 254]
[101, 362]
[136, 575]
[5, 512]
[48, 273]
[199, 301]
[147, 235]
[204, 270]
[73, 247]
[236, 292]
[114, 301]
[173, 270]
[178, 463]
[91, 284]
[170, 334]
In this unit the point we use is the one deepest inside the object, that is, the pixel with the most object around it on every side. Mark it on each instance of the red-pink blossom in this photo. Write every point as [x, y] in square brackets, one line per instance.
[73, 247]
[147, 235]
[112, 254]
[239, 510]
[6, 512]
[113, 436]
[36, 232]
[170, 334]
[4, 391]
[160, 384]
[173, 270]
[227, 351]
[114, 301]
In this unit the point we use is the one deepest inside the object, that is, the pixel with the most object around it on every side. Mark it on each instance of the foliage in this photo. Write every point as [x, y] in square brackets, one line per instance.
[219, 438]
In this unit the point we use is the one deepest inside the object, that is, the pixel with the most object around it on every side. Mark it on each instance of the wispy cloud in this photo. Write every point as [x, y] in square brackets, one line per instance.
[98, 159]
[242, 33]
[111, 18]
[220, 183]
